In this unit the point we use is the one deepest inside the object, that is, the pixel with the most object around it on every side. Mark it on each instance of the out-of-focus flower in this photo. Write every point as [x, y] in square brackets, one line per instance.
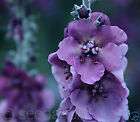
[92, 46]
[26, 98]
[104, 101]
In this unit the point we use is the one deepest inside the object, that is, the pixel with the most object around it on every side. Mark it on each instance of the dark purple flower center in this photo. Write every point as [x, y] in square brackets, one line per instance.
[89, 49]
[95, 91]
[8, 115]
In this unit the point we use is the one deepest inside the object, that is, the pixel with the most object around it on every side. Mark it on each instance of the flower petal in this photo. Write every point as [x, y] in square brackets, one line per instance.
[90, 72]
[113, 34]
[104, 18]
[68, 50]
[120, 73]
[58, 69]
[82, 29]
[111, 56]
[80, 99]
[115, 105]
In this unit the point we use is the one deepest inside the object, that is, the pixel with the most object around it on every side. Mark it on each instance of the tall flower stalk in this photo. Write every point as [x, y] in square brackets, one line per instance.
[21, 29]
[25, 98]
[89, 68]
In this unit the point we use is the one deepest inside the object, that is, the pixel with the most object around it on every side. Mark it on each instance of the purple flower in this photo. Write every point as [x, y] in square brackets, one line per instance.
[24, 95]
[104, 101]
[92, 46]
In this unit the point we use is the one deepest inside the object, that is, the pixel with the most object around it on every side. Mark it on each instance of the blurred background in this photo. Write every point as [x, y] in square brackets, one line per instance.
[51, 18]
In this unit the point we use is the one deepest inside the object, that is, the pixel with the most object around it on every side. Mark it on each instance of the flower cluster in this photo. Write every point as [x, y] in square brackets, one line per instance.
[25, 98]
[89, 67]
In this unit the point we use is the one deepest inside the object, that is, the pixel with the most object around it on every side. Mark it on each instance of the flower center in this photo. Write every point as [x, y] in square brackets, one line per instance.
[95, 91]
[8, 115]
[90, 49]
[98, 90]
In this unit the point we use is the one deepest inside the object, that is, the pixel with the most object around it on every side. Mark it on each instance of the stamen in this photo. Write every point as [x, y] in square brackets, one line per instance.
[94, 51]
[89, 48]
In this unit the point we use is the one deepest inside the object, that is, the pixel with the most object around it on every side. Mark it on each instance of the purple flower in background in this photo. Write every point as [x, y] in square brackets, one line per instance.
[92, 46]
[104, 101]
[26, 98]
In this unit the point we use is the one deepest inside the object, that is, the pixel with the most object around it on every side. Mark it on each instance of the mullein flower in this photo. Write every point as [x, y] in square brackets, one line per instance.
[89, 67]
[90, 43]
[104, 101]
[24, 95]
[89, 101]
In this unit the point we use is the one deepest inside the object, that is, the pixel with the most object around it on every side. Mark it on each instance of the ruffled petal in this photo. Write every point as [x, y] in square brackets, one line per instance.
[114, 105]
[90, 72]
[68, 50]
[82, 29]
[107, 34]
[59, 69]
[111, 56]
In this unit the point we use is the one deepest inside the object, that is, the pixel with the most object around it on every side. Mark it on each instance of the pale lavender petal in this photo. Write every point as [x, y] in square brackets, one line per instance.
[90, 72]
[111, 56]
[81, 99]
[118, 35]
[120, 73]
[68, 50]
[66, 111]
[58, 69]
[114, 34]
[82, 29]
